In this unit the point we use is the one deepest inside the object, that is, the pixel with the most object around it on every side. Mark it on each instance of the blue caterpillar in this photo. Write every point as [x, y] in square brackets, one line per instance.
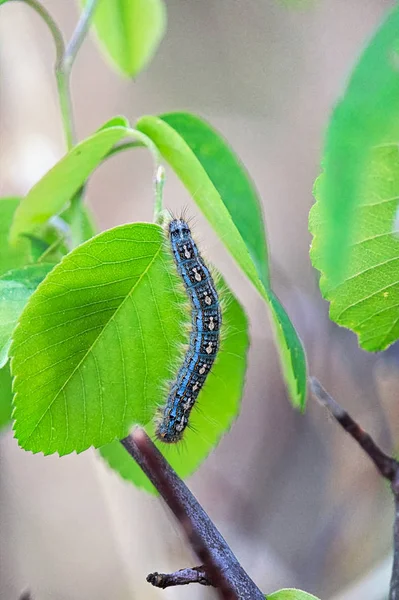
[206, 321]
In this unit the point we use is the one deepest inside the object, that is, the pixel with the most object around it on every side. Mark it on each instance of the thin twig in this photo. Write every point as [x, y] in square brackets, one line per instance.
[79, 34]
[182, 577]
[386, 465]
[64, 66]
[220, 564]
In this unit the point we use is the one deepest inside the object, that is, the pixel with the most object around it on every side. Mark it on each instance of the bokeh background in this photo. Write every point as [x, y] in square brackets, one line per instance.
[297, 501]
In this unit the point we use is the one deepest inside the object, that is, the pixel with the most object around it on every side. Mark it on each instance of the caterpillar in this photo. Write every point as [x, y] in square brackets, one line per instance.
[206, 320]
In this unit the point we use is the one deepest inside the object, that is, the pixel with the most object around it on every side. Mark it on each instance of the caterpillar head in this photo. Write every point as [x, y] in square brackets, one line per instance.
[179, 229]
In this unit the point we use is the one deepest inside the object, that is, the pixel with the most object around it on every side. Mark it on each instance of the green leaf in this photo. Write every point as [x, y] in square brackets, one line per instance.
[366, 117]
[290, 594]
[15, 289]
[215, 198]
[367, 300]
[11, 256]
[130, 31]
[5, 396]
[96, 341]
[99, 339]
[210, 418]
[230, 179]
[52, 193]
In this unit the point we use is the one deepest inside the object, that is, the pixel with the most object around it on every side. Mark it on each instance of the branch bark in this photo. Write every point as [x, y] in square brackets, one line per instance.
[221, 566]
[182, 577]
[386, 465]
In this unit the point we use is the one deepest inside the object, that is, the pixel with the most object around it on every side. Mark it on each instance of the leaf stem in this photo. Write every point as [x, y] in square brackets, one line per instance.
[79, 34]
[65, 57]
[63, 70]
[158, 204]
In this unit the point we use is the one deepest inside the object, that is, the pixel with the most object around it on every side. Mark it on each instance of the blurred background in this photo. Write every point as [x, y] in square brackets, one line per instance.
[297, 501]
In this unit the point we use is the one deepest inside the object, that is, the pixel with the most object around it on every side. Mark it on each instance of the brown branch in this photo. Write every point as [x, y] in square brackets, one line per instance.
[182, 577]
[220, 564]
[386, 465]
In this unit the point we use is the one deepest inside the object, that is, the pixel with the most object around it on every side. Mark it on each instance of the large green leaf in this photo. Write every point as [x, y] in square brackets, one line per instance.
[96, 341]
[15, 288]
[11, 257]
[52, 193]
[5, 396]
[130, 31]
[214, 196]
[290, 594]
[100, 338]
[366, 117]
[367, 300]
[210, 417]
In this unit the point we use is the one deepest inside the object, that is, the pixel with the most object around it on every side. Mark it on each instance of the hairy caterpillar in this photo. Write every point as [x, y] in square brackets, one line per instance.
[206, 321]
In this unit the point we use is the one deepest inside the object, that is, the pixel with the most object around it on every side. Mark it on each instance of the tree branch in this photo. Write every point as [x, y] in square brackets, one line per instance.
[182, 577]
[220, 564]
[386, 465]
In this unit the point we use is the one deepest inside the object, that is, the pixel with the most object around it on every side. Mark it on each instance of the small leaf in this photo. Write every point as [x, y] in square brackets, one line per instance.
[214, 197]
[15, 289]
[15, 256]
[290, 594]
[96, 342]
[5, 396]
[210, 417]
[366, 117]
[52, 193]
[367, 300]
[130, 31]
